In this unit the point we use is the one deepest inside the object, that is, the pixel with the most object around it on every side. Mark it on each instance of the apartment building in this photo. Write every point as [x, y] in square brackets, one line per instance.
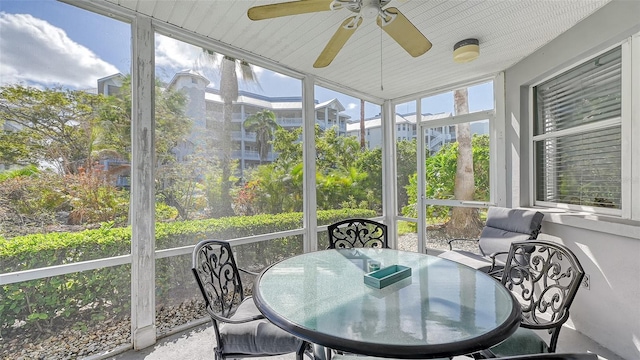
[205, 109]
[407, 129]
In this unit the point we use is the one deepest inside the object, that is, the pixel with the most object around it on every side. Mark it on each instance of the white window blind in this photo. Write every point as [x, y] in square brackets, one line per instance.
[577, 134]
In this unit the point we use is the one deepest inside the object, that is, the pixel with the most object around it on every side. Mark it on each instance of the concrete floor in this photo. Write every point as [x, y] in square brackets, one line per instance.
[197, 344]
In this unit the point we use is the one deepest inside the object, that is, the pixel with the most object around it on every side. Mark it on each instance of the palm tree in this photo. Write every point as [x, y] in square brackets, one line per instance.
[264, 124]
[363, 143]
[464, 221]
[230, 69]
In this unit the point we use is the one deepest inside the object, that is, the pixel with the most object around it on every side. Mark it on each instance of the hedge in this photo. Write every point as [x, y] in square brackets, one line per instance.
[85, 297]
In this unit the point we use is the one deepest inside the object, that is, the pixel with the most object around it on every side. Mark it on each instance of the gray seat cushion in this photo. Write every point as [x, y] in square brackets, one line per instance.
[523, 342]
[468, 258]
[505, 226]
[494, 240]
[514, 220]
[256, 337]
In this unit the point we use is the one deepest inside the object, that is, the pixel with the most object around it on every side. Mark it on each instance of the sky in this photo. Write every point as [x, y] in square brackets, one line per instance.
[46, 44]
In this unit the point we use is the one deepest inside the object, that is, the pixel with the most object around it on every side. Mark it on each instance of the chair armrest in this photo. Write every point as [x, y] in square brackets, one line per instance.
[484, 354]
[493, 272]
[248, 272]
[459, 239]
[223, 319]
[492, 256]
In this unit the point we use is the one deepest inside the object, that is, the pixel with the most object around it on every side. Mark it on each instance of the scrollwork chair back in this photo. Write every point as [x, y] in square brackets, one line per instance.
[354, 233]
[544, 277]
[218, 277]
[241, 330]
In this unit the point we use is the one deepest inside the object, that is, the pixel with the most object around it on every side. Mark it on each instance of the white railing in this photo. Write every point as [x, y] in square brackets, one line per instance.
[251, 155]
[248, 136]
[289, 121]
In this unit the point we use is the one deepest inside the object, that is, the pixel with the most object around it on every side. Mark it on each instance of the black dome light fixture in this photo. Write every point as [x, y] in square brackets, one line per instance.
[466, 50]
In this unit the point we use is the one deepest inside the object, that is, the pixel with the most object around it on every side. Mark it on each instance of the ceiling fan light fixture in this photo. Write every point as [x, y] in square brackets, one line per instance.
[370, 8]
[466, 50]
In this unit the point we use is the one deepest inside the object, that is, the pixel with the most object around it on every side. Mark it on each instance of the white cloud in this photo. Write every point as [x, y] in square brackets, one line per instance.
[352, 106]
[32, 51]
[176, 54]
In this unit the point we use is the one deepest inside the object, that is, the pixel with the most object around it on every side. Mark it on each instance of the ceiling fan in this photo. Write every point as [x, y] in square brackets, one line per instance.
[391, 20]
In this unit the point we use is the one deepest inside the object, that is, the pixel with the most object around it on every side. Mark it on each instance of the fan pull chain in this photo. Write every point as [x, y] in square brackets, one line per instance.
[381, 81]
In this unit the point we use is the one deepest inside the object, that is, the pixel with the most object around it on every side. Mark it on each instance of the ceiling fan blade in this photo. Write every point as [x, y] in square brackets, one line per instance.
[288, 8]
[403, 32]
[346, 29]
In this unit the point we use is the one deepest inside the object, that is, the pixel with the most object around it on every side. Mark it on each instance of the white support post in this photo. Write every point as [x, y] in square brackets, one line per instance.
[422, 185]
[143, 331]
[630, 128]
[634, 109]
[389, 170]
[310, 221]
[498, 146]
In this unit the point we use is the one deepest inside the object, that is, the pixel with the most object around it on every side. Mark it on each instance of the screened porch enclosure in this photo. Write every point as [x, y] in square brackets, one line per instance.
[270, 166]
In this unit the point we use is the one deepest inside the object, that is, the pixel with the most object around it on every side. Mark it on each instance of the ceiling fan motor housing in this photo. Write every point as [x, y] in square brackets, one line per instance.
[390, 19]
[366, 8]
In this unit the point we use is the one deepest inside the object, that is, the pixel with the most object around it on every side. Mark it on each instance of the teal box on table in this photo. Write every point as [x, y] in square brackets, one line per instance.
[387, 276]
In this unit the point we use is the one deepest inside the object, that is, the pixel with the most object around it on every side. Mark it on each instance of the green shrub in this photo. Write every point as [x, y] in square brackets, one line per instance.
[29, 170]
[94, 294]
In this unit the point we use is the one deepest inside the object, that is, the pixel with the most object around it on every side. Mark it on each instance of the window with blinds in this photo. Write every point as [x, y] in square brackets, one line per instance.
[577, 135]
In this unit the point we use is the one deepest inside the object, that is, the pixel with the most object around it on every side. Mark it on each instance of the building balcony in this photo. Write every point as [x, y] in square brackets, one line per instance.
[290, 122]
[251, 155]
[248, 136]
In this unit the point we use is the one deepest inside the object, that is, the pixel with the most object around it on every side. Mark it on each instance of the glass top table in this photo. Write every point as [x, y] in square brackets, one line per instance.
[443, 309]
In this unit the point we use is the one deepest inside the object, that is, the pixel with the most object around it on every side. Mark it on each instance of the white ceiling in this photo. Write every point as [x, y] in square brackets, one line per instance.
[508, 31]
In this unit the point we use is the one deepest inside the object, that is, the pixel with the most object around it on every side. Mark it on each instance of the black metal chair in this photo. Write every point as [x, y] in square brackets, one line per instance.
[353, 233]
[241, 330]
[544, 277]
[503, 226]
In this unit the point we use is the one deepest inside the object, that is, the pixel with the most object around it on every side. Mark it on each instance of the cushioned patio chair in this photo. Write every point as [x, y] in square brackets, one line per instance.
[503, 226]
[544, 277]
[354, 233]
[241, 330]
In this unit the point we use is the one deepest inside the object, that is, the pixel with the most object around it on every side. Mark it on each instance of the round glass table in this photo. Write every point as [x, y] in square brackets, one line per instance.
[442, 309]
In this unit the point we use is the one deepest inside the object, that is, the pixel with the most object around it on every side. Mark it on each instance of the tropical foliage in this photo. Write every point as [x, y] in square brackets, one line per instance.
[264, 124]
[195, 184]
[346, 177]
[441, 176]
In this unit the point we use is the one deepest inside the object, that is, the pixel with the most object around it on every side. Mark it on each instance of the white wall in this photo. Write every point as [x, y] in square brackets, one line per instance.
[609, 250]
[607, 312]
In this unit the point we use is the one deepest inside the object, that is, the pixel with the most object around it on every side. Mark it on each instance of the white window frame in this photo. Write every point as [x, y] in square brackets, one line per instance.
[629, 208]
[497, 157]
[632, 160]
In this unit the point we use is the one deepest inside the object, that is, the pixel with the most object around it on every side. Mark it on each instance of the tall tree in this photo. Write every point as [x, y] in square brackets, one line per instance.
[264, 124]
[58, 124]
[464, 221]
[71, 129]
[230, 69]
[363, 143]
[172, 124]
